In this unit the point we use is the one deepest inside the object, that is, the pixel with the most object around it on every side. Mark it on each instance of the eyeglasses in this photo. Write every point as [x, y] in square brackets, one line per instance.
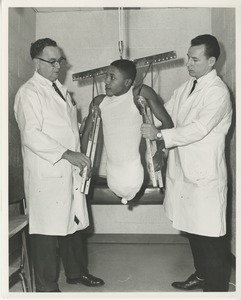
[54, 62]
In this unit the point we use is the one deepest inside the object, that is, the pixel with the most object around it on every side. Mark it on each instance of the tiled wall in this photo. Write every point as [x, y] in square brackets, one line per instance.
[119, 219]
[223, 27]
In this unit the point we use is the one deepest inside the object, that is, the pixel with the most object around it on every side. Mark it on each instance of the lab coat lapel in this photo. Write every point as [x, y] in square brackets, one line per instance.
[204, 82]
[68, 106]
[184, 102]
[187, 102]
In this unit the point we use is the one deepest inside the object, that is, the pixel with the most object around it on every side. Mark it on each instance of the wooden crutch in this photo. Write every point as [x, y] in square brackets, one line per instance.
[91, 148]
[156, 176]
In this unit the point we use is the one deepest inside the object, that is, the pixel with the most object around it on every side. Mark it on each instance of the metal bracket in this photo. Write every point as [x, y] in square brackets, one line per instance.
[140, 62]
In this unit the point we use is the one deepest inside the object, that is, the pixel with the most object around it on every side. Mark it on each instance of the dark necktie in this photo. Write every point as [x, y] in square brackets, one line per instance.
[58, 91]
[193, 87]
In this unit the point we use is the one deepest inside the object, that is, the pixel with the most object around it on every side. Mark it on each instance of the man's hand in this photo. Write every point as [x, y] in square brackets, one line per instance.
[78, 159]
[149, 131]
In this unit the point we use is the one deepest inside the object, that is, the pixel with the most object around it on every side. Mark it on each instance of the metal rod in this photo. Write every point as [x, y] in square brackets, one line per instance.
[156, 177]
[91, 148]
[92, 155]
[140, 62]
[158, 174]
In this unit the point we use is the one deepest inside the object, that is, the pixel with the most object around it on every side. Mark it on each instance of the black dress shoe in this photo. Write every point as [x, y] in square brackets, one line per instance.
[190, 284]
[88, 280]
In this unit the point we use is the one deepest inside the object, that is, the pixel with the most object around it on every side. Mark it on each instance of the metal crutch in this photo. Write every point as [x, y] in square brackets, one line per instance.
[156, 176]
[91, 148]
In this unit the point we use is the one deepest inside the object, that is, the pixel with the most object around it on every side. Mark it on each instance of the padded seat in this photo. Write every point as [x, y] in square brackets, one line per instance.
[99, 193]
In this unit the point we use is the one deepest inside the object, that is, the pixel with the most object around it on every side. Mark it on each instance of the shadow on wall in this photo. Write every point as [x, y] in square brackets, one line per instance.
[64, 70]
[221, 60]
[230, 150]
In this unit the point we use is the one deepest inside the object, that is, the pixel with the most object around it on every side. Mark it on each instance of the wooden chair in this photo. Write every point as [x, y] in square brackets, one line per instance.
[18, 224]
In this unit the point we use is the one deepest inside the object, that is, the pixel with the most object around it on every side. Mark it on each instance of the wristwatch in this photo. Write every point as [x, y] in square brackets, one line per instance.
[159, 136]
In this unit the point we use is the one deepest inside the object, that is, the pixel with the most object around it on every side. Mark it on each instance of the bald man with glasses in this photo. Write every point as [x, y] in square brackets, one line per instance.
[53, 164]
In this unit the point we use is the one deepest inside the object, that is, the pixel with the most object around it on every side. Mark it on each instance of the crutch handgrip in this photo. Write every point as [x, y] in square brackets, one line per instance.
[91, 149]
[145, 111]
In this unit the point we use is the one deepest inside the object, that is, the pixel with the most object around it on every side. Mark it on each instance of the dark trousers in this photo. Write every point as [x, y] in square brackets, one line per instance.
[210, 261]
[46, 251]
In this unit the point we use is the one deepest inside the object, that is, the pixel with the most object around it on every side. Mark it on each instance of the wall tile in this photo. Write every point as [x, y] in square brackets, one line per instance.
[144, 219]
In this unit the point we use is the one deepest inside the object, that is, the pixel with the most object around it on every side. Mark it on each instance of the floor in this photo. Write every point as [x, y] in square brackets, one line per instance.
[135, 267]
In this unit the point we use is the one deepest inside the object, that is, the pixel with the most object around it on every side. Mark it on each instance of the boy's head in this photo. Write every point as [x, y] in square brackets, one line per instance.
[119, 77]
[126, 67]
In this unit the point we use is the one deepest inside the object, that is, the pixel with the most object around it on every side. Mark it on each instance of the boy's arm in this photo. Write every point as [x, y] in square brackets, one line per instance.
[156, 106]
[88, 123]
[161, 114]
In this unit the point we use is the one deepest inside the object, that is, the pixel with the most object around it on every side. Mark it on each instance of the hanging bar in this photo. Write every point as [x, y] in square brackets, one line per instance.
[158, 58]
[140, 62]
[90, 73]
[121, 32]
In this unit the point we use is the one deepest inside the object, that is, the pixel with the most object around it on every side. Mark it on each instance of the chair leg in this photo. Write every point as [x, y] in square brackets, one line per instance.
[26, 264]
[24, 286]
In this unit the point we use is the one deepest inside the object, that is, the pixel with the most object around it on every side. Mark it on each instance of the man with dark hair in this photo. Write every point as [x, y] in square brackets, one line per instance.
[210, 43]
[38, 46]
[53, 163]
[196, 179]
[121, 127]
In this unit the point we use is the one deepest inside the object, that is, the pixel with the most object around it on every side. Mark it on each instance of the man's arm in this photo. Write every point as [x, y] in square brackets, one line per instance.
[28, 114]
[30, 119]
[216, 107]
[161, 114]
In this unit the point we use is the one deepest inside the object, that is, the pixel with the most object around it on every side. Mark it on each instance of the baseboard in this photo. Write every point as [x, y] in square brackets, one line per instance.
[138, 238]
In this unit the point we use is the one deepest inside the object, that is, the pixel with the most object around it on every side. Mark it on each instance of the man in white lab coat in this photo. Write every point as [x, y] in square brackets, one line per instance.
[47, 119]
[196, 179]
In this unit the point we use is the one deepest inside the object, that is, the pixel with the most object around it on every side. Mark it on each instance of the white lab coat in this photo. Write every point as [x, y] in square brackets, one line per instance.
[48, 127]
[196, 180]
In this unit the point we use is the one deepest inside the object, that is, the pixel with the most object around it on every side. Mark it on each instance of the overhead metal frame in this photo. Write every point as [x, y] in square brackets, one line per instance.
[140, 62]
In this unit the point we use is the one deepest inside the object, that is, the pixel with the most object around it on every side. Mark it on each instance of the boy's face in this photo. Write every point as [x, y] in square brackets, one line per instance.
[116, 83]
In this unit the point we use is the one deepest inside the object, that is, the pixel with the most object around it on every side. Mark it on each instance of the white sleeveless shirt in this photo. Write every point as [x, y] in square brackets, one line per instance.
[121, 129]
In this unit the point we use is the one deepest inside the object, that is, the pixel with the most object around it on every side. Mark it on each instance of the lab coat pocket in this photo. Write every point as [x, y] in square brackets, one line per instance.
[47, 170]
[200, 168]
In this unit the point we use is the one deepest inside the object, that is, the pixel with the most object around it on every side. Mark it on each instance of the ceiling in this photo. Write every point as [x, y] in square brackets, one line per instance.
[69, 9]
